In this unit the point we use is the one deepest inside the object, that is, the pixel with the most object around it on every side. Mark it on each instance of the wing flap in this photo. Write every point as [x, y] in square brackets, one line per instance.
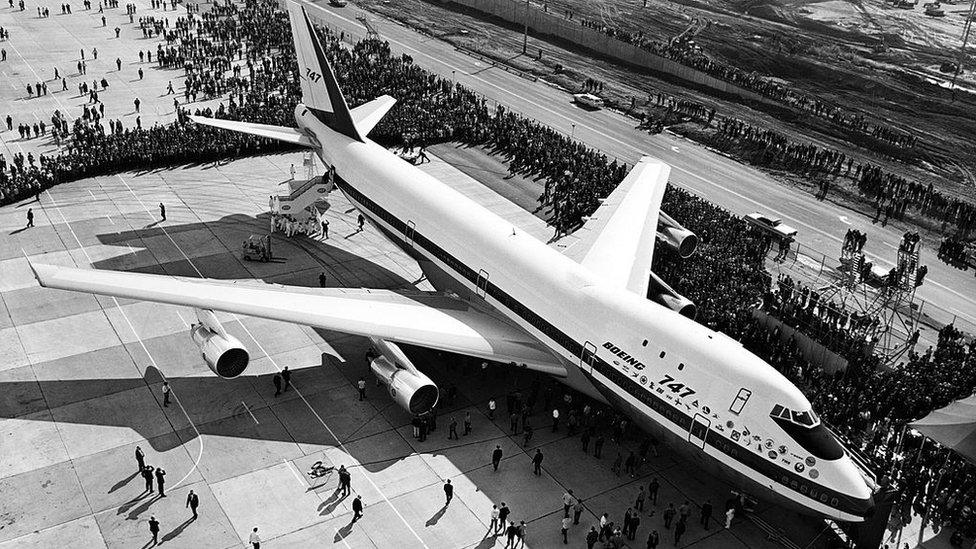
[617, 241]
[427, 320]
[279, 133]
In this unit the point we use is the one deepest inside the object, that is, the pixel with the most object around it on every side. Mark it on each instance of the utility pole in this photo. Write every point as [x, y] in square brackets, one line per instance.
[525, 33]
[962, 50]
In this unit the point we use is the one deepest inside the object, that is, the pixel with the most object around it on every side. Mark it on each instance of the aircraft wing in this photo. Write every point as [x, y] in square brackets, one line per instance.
[617, 241]
[429, 320]
[280, 133]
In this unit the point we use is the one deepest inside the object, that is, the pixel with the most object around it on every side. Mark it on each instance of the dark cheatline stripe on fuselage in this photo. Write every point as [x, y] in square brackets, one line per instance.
[409, 237]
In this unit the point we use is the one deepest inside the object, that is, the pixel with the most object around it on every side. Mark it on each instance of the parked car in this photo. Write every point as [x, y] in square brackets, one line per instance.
[772, 225]
[337, 3]
[588, 101]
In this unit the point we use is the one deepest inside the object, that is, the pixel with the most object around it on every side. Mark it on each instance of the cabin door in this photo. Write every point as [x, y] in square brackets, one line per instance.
[699, 430]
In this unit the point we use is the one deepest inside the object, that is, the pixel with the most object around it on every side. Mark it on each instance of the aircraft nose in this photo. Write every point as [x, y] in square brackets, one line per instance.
[861, 507]
[868, 509]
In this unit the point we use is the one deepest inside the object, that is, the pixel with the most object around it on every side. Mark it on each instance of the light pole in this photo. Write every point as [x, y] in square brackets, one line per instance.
[962, 50]
[525, 33]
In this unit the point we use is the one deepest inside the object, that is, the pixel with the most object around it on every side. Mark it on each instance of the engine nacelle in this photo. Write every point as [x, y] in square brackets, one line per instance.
[675, 236]
[659, 292]
[224, 354]
[410, 388]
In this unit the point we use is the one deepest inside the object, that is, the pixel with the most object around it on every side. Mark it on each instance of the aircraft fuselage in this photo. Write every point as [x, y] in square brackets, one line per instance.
[677, 378]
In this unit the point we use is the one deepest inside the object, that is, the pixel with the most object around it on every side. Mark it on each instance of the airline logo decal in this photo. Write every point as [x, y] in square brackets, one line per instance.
[623, 355]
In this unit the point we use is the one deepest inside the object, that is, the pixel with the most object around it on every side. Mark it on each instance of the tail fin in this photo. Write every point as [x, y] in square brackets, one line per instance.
[320, 90]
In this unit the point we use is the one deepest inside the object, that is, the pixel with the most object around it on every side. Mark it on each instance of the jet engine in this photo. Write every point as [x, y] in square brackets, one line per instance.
[224, 354]
[659, 292]
[675, 236]
[411, 389]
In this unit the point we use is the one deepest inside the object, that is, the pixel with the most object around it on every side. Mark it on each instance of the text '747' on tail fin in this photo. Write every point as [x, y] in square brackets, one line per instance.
[320, 90]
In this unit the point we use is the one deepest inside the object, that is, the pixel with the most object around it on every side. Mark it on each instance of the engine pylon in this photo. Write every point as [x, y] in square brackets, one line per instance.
[408, 386]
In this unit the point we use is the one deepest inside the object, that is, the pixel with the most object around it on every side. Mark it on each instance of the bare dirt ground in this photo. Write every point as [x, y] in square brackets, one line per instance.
[826, 50]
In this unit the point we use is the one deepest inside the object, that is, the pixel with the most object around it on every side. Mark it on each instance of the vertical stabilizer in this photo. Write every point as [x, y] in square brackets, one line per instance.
[320, 90]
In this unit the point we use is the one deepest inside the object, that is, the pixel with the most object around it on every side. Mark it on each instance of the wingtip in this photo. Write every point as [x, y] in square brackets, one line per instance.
[42, 273]
[33, 267]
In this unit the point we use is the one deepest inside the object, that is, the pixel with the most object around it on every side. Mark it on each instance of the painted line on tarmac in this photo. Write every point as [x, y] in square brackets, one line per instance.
[250, 412]
[294, 470]
[275, 363]
[39, 79]
[141, 343]
[183, 320]
[343, 538]
[728, 190]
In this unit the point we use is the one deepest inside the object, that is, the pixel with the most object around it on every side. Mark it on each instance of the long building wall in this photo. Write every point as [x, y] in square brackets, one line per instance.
[544, 23]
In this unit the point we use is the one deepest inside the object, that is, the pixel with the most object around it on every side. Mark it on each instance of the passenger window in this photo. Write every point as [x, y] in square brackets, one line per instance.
[740, 401]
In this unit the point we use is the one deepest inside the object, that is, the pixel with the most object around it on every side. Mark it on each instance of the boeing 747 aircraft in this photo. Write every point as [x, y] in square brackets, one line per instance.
[592, 315]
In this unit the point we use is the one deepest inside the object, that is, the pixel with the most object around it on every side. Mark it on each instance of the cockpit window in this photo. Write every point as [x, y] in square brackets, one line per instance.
[805, 428]
[803, 418]
[806, 418]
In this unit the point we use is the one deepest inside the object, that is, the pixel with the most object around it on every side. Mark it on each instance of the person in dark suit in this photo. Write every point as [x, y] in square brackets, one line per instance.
[193, 501]
[154, 529]
[496, 456]
[537, 463]
[511, 532]
[357, 508]
[448, 492]
[706, 513]
[286, 377]
[345, 480]
[140, 458]
[160, 481]
[162, 207]
[147, 473]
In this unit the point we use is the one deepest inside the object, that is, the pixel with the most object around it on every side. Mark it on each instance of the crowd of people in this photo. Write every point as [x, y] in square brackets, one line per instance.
[689, 55]
[837, 328]
[677, 108]
[955, 251]
[894, 195]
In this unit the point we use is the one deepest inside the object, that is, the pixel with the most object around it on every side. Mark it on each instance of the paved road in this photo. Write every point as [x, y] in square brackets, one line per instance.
[724, 181]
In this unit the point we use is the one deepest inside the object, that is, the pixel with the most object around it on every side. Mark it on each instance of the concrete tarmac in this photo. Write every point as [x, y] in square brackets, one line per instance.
[80, 388]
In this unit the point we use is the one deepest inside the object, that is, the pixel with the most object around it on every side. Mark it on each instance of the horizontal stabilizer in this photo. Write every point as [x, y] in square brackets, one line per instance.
[279, 133]
[367, 115]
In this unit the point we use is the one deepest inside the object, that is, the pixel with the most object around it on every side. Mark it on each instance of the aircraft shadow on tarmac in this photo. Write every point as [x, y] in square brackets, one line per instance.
[349, 421]
[226, 261]
[288, 420]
